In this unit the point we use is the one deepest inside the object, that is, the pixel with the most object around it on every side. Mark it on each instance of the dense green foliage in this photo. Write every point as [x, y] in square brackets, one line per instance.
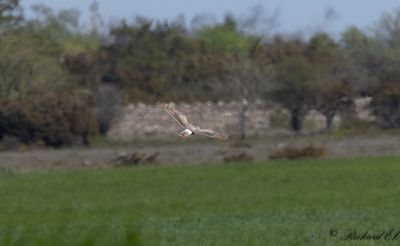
[146, 59]
[56, 120]
[270, 203]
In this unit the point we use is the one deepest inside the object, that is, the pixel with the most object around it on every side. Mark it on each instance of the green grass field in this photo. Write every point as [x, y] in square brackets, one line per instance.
[314, 202]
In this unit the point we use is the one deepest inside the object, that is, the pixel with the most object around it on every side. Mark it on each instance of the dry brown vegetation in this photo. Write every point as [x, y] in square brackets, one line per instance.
[293, 152]
[242, 156]
[135, 158]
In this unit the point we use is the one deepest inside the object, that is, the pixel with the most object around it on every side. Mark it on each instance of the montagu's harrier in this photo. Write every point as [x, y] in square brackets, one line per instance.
[190, 129]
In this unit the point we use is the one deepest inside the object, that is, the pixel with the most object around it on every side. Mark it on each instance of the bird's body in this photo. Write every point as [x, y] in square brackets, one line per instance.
[186, 133]
[190, 129]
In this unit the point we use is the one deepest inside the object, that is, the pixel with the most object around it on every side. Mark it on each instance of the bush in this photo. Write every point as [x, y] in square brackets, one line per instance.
[9, 143]
[57, 120]
[292, 152]
[279, 118]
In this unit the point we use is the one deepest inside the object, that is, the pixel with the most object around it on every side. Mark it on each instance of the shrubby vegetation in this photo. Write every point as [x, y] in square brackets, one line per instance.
[55, 119]
[54, 53]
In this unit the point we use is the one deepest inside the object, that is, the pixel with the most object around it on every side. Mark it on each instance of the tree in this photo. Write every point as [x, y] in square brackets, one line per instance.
[385, 105]
[386, 43]
[245, 68]
[145, 59]
[360, 55]
[333, 92]
[378, 54]
[310, 75]
[205, 75]
[213, 69]
[27, 66]
[10, 14]
[225, 37]
[77, 49]
[249, 74]
[333, 95]
[292, 88]
[291, 85]
[376, 51]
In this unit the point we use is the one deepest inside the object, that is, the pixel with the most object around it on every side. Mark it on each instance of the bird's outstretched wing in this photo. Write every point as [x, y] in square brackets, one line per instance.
[176, 114]
[212, 134]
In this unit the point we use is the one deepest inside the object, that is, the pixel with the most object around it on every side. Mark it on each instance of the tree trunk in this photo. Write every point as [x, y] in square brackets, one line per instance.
[296, 121]
[243, 120]
[329, 121]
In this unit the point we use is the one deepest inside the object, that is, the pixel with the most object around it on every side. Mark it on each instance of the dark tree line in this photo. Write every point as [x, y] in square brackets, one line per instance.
[144, 59]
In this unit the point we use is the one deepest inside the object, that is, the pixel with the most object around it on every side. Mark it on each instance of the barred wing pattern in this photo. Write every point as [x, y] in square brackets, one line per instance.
[176, 114]
[212, 134]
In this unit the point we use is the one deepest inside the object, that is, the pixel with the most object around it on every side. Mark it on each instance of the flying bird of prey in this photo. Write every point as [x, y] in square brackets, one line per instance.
[190, 129]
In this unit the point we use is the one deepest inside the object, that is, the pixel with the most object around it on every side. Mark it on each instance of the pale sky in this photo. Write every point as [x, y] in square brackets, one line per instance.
[294, 15]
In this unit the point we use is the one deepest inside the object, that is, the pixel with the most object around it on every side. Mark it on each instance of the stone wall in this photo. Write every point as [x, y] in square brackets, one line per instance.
[150, 121]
